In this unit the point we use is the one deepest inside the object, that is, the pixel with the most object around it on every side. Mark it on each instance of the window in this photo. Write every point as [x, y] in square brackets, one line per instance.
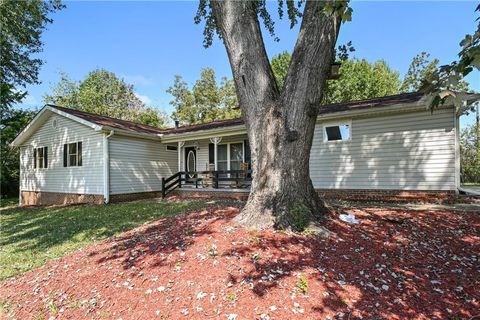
[236, 155]
[222, 157]
[40, 158]
[72, 154]
[170, 147]
[337, 132]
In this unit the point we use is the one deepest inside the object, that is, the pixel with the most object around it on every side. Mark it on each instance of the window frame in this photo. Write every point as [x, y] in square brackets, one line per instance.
[228, 152]
[79, 155]
[334, 124]
[171, 146]
[36, 158]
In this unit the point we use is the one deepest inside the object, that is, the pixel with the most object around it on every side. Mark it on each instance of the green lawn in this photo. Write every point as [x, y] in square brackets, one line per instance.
[8, 202]
[29, 237]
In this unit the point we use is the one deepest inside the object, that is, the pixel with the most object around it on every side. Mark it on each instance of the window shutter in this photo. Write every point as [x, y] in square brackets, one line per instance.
[65, 155]
[35, 158]
[248, 155]
[211, 153]
[79, 152]
[45, 157]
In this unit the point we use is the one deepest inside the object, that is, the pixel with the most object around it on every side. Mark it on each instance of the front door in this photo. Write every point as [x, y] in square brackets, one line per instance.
[190, 161]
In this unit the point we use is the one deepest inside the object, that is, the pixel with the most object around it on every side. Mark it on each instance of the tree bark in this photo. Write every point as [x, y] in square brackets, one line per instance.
[280, 125]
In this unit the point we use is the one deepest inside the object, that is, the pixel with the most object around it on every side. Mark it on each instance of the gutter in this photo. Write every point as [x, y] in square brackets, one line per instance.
[106, 167]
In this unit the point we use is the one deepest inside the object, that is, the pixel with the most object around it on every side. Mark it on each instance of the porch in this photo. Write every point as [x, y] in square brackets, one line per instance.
[208, 181]
[209, 163]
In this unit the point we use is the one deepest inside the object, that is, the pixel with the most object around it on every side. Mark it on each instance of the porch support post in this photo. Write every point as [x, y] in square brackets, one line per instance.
[180, 145]
[215, 142]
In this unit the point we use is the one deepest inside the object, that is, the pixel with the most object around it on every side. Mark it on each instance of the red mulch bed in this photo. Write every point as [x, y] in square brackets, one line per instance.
[395, 264]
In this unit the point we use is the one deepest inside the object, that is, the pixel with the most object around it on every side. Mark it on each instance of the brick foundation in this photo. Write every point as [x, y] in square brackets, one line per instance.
[399, 196]
[37, 198]
[193, 194]
[114, 198]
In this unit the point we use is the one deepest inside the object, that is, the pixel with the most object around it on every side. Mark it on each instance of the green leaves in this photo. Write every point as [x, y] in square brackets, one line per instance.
[12, 122]
[102, 92]
[207, 101]
[22, 24]
[280, 64]
[449, 77]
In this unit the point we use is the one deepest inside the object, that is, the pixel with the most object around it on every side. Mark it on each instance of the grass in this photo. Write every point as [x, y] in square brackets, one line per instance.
[8, 202]
[471, 184]
[29, 237]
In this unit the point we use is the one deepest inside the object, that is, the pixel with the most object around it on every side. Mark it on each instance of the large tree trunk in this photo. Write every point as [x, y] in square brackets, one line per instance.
[280, 124]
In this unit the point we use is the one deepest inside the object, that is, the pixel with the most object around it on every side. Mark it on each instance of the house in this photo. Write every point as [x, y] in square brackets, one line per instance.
[380, 147]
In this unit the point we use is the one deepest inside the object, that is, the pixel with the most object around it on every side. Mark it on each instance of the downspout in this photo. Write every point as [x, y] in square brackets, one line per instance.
[106, 167]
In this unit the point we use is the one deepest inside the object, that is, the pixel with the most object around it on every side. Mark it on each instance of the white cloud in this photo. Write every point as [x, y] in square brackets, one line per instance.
[143, 98]
[137, 80]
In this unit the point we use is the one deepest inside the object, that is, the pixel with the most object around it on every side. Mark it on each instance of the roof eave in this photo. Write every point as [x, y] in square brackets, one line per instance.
[26, 132]
[205, 133]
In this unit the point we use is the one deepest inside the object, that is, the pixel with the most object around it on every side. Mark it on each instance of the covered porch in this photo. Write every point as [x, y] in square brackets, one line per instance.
[209, 162]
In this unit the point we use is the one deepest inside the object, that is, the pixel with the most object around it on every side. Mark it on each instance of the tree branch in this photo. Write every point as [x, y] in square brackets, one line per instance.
[255, 83]
[311, 60]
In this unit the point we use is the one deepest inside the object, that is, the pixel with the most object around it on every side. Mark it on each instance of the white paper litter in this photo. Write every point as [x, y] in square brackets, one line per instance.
[350, 218]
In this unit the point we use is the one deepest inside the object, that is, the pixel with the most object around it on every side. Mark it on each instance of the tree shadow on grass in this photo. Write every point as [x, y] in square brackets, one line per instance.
[46, 233]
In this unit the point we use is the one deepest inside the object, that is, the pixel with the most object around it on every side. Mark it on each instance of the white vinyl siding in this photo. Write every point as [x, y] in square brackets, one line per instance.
[138, 165]
[409, 151]
[87, 179]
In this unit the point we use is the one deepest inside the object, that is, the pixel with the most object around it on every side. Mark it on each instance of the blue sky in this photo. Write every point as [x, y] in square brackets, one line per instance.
[147, 43]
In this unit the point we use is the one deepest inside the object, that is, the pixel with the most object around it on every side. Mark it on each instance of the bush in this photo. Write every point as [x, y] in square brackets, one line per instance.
[299, 215]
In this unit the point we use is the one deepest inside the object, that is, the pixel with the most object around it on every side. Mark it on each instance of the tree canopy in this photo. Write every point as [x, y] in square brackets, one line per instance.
[422, 68]
[13, 121]
[470, 154]
[441, 84]
[21, 24]
[359, 79]
[206, 101]
[104, 93]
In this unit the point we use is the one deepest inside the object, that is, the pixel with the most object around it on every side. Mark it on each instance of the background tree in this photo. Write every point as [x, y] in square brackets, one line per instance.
[206, 101]
[13, 121]
[21, 25]
[280, 64]
[358, 80]
[280, 123]
[422, 68]
[470, 154]
[102, 92]
[440, 85]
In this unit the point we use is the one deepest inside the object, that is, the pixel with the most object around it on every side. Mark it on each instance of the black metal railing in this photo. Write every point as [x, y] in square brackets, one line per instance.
[206, 179]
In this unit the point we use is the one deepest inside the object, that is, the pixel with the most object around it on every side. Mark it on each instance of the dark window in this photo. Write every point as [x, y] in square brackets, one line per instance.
[211, 153]
[170, 147]
[72, 154]
[337, 132]
[40, 158]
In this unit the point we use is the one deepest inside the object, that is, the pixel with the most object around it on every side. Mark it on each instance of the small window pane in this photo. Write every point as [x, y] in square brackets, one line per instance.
[338, 132]
[73, 160]
[222, 165]
[222, 153]
[236, 156]
[79, 154]
[72, 148]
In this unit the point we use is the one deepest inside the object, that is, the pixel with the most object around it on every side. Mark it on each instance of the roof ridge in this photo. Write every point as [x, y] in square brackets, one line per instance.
[101, 115]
